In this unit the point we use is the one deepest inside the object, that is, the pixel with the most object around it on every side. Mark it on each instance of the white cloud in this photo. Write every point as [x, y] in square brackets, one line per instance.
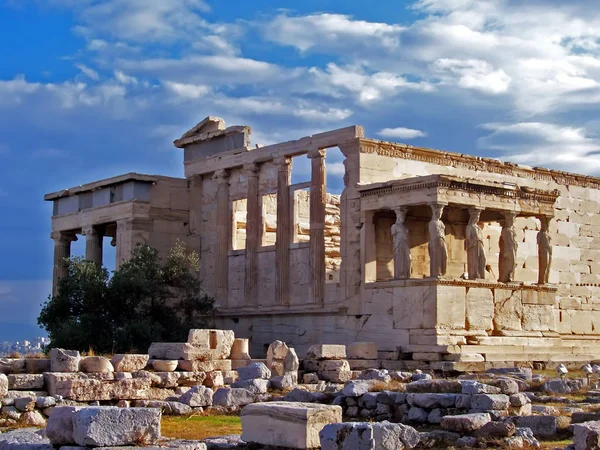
[188, 91]
[367, 87]
[125, 79]
[475, 74]
[330, 31]
[401, 133]
[545, 145]
[90, 73]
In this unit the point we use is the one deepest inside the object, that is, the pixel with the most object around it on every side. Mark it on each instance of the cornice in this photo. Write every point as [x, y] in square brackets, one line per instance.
[477, 163]
[466, 185]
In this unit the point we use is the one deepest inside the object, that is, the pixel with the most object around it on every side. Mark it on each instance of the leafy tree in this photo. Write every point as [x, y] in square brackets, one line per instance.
[146, 300]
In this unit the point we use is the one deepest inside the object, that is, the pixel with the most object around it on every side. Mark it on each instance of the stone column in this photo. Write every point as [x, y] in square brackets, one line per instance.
[507, 262]
[252, 235]
[351, 270]
[284, 230]
[93, 244]
[438, 252]
[544, 250]
[317, 225]
[131, 233]
[223, 227]
[62, 251]
[369, 246]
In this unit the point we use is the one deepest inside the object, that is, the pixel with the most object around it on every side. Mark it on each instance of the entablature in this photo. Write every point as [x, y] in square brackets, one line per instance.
[458, 191]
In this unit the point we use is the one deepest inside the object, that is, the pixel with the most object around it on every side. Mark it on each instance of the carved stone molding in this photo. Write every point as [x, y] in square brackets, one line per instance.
[477, 163]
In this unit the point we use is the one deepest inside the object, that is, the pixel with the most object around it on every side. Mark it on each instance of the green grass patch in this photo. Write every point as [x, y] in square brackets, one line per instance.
[200, 427]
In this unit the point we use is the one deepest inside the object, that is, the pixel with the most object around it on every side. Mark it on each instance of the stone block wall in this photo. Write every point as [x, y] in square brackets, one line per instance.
[575, 229]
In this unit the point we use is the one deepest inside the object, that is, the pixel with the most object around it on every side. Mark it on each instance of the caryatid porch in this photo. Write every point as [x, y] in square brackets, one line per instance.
[450, 247]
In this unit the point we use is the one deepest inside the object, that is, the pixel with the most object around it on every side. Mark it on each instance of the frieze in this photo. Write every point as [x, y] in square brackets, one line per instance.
[466, 188]
[460, 282]
[442, 158]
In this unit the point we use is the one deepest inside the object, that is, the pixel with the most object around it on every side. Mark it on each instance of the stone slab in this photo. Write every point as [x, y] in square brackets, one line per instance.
[283, 424]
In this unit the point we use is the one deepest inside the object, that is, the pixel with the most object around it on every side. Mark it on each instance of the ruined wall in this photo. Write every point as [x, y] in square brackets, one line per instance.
[169, 214]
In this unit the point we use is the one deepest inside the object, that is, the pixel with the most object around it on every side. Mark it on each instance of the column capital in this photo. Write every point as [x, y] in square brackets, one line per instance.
[251, 169]
[282, 162]
[221, 176]
[63, 236]
[320, 153]
[89, 230]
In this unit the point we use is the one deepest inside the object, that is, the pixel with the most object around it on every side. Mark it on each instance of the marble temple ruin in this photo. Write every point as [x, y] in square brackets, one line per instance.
[440, 258]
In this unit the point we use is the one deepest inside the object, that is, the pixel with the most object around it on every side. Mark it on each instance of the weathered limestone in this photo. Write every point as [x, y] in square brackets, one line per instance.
[239, 350]
[254, 370]
[129, 362]
[64, 360]
[112, 426]
[326, 351]
[586, 435]
[162, 365]
[465, 423]
[24, 381]
[294, 425]
[12, 365]
[197, 396]
[218, 341]
[95, 364]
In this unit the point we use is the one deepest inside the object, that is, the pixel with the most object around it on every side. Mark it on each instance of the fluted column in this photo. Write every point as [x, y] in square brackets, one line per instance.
[317, 225]
[284, 228]
[252, 235]
[62, 252]
[223, 230]
[93, 244]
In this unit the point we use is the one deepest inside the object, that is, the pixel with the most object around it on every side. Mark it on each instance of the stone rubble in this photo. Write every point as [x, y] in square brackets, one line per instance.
[499, 406]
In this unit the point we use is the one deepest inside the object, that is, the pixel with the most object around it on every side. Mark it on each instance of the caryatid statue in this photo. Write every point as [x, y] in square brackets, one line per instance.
[544, 251]
[438, 253]
[474, 246]
[508, 249]
[401, 245]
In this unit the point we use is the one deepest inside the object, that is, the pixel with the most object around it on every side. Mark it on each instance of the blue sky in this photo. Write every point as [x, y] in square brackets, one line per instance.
[91, 89]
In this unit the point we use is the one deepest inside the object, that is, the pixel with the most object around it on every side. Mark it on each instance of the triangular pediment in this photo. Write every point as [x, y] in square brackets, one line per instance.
[207, 125]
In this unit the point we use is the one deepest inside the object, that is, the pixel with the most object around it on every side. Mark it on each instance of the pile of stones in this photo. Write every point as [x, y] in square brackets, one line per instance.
[96, 427]
[328, 362]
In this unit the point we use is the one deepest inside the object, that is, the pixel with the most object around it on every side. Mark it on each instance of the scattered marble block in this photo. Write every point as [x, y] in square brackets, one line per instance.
[103, 426]
[129, 363]
[283, 424]
[362, 350]
[219, 342]
[64, 360]
[326, 351]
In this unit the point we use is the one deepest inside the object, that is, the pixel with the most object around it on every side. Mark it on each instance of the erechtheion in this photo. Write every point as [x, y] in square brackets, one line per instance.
[446, 258]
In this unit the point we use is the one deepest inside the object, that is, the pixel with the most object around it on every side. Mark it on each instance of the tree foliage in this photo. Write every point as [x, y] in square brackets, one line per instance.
[146, 300]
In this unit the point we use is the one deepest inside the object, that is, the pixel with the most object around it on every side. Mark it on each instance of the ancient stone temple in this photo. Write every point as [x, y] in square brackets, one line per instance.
[436, 256]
